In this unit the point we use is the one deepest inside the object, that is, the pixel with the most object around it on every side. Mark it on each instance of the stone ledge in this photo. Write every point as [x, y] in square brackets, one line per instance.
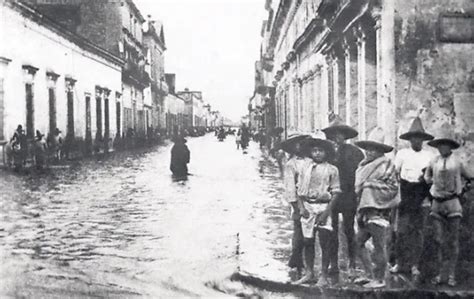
[348, 291]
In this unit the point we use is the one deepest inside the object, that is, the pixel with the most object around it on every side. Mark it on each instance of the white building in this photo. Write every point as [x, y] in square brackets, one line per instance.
[174, 109]
[52, 78]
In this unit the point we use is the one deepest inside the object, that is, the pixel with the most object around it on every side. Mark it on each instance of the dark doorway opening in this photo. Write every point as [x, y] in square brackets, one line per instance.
[98, 113]
[30, 128]
[52, 111]
[70, 114]
[106, 125]
[88, 126]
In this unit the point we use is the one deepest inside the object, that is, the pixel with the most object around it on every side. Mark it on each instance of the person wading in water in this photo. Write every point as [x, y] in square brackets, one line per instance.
[180, 157]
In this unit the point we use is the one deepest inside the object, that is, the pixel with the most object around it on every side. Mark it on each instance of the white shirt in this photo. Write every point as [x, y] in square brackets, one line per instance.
[410, 164]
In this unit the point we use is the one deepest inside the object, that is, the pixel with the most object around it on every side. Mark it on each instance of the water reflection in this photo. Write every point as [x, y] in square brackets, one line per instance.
[124, 226]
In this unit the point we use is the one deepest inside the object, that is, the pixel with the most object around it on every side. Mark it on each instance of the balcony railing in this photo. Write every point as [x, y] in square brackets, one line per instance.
[132, 71]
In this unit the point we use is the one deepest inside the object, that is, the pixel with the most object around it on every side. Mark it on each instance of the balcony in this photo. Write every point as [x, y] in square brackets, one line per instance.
[160, 87]
[134, 74]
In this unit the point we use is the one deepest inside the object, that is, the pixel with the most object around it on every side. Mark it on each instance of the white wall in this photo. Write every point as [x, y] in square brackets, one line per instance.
[48, 51]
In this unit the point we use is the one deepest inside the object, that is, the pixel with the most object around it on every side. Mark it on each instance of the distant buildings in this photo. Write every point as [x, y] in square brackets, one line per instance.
[196, 112]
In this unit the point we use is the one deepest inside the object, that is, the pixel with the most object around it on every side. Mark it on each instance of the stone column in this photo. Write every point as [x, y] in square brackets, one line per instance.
[324, 99]
[335, 83]
[385, 35]
[317, 97]
[347, 62]
[361, 81]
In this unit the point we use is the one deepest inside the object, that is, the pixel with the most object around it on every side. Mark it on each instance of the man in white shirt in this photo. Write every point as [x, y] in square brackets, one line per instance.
[411, 163]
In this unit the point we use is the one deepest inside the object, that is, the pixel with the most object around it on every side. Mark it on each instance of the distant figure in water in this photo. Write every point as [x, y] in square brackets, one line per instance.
[180, 156]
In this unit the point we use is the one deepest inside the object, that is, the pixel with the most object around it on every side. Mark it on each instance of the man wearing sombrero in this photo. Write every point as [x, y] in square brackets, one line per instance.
[296, 162]
[347, 158]
[445, 173]
[317, 188]
[376, 187]
[410, 163]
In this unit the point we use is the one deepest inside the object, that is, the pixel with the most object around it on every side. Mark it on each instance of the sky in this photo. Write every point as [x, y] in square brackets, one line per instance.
[212, 46]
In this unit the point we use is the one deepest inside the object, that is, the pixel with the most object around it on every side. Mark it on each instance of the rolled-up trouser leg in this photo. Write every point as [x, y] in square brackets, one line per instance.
[379, 238]
[362, 237]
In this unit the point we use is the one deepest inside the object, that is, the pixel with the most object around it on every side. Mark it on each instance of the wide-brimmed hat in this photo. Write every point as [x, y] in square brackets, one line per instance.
[375, 140]
[278, 131]
[338, 126]
[39, 135]
[416, 130]
[319, 140]
[445, 136]
[179, 139]
[287, 145]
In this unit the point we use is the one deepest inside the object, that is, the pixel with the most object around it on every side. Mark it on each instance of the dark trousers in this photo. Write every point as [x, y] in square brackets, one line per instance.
[375, 264]
[347, 206]
[411, 223]
[297, 242]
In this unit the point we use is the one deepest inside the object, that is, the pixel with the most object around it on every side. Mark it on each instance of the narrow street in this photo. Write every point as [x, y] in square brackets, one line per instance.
[123, 227]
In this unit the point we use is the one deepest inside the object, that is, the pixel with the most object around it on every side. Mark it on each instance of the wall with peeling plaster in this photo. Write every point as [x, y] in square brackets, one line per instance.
[434, 78]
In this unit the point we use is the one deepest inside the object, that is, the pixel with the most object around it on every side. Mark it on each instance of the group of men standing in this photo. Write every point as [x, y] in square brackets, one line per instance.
[325, 177]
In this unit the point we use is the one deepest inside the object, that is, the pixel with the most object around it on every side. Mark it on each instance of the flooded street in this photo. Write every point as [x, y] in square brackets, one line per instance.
[122, 227]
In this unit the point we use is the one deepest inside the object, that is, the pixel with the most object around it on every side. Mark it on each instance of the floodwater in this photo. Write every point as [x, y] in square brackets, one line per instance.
[121, 227]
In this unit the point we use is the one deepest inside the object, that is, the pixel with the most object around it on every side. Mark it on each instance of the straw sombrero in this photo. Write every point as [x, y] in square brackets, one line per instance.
[446, 136]
[337, 125]
[287, 145]
[416, 130]
[375, 140]
[318, 140]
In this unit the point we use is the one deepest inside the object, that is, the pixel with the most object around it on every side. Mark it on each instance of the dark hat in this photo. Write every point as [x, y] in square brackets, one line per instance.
[375, 140]
[338, 126]
[318, 140]
[278, 131]
[39, 135]
[287, 145]
[446, 136]
[416, 130]
[179, 139]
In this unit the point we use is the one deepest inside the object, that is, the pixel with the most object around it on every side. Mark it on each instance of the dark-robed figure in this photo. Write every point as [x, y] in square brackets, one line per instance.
[180, 157]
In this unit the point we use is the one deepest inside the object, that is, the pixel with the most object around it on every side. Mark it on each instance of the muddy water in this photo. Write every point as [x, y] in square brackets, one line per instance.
[121, 227]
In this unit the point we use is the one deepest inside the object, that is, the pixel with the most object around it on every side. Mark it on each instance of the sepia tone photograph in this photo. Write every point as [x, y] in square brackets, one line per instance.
[237, 149]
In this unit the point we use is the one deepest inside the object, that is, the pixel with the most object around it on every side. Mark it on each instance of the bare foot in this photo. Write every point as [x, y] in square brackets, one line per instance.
[307, 278]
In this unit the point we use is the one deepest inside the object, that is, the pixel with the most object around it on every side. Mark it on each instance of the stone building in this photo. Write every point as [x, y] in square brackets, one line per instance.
[174, 109]
[372, 62]
[195, 111]
[115, 26]
[154, 40]
[53, 78]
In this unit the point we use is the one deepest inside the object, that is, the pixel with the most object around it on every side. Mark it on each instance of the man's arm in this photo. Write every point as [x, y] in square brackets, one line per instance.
[289, 182]
[428, 176]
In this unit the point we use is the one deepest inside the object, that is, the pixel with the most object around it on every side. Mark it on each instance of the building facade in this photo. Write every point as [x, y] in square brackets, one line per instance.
[115, 26]
[373, 63]
[58, 81]
[195, 110]
[154, 40]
